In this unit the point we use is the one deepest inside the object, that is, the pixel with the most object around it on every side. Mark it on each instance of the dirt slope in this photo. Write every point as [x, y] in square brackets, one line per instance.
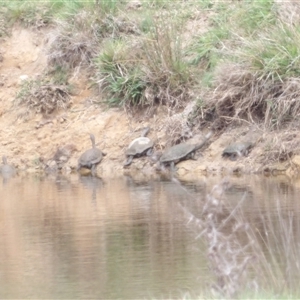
[24, 140]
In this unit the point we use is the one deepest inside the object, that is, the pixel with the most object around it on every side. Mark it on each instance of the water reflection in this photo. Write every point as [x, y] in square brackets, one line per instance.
[85, 237]
[92, 183]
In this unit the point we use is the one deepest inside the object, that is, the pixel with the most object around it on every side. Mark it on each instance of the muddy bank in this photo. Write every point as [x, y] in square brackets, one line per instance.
[31, 140]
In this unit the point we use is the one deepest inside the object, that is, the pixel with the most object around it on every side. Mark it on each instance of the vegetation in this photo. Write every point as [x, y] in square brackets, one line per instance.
[43, 97]
[250, 258]
[242, 65]
[255, 75]
[238, 59]
[148, 71]
[119, 75]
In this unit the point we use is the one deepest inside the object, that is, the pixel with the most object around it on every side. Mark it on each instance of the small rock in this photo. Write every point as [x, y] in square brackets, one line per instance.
[181, 171]
[22, 79]
[296, 160]
[72, 163]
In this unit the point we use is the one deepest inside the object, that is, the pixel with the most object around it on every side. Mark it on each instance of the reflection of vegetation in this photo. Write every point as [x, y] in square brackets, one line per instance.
[112, 250]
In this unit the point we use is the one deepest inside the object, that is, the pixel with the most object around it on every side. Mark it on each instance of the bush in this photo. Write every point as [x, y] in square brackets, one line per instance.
[42, 97]
[148, 71]
[255, 75]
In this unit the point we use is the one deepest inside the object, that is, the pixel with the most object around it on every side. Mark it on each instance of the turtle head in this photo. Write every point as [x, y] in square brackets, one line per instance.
[92, 137]
[145, 131]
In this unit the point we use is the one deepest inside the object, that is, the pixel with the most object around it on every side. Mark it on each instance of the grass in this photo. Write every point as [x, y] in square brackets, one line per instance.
[167, 70]
[42, 96]
[245, 63]
[147, 71]
[250, 58]
[71, 47]
[119, 75]
[157, 72]
[28, 13]
[264, 84]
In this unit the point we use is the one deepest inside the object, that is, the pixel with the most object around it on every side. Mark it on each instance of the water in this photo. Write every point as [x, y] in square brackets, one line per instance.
[84, 237]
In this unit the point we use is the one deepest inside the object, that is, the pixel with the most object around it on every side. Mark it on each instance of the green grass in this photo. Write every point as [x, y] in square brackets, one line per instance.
[206, 50]
[34, 13]
[58, 75]
[154, 62]
[252, 16]
[164, 63]
[250, 57]
[120, 75]
[276, 54]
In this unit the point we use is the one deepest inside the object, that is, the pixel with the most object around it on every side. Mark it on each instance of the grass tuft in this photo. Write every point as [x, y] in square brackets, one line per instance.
[39, 96]
[150, 71]
[73, 44]
[119, 75]
[167, 71]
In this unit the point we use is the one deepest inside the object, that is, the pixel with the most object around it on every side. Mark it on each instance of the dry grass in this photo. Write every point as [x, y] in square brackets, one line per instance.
[289, 12]
[257, 77]
[3, 24]
[281, 146]
[248, 252]
[72, 45]
[42, 97]
[167, 72]
[177, 127]
[240, 93]
[149, 70]
[221, 228]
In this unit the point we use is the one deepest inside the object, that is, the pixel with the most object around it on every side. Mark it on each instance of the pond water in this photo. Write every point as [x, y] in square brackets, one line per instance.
[87, 238]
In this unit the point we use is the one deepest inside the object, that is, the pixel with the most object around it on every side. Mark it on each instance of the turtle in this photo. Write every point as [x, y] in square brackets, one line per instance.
[90, 158]
[238, 149]
[138, 147]
[7, 170]
[180, 152]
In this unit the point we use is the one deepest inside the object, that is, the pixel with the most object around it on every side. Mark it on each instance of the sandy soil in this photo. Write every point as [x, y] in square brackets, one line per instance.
[25, 140]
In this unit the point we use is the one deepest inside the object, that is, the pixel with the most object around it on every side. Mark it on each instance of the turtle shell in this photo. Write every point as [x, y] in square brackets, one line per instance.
[138, 146]
[177, 152]
[90, 157]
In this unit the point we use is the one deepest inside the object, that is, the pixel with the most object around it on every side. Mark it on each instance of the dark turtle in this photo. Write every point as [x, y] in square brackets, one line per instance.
[7, 170]
[237, 149]
[180, 152]
[90, 158]
[138, 147]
